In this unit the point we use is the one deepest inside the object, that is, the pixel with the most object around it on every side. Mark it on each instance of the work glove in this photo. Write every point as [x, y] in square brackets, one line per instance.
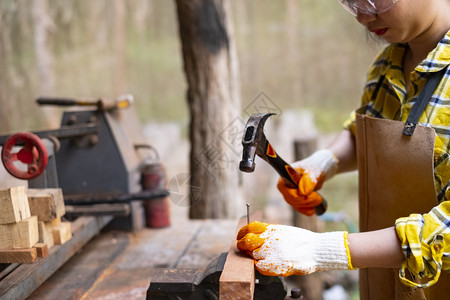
[280, 250]
[312, 172]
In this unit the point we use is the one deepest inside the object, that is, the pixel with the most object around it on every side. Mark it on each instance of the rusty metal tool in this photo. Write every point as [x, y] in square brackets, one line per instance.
[255, 143]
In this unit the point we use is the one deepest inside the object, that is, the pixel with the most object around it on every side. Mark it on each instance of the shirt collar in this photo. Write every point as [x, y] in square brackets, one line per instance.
[436, 60]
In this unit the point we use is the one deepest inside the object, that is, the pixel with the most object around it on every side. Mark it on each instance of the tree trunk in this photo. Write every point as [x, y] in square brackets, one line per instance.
[210, 65]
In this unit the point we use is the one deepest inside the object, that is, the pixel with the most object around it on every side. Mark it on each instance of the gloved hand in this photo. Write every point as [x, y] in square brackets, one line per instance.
[313, 171]
[286, 250]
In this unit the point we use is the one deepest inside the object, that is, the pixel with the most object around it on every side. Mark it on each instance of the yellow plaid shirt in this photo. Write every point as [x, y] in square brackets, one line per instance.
[420, 235]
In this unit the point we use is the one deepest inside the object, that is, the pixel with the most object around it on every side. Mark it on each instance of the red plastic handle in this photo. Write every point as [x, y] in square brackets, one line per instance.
[33, 153]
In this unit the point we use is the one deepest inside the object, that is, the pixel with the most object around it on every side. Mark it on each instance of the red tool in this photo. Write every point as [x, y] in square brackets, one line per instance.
[32, 153]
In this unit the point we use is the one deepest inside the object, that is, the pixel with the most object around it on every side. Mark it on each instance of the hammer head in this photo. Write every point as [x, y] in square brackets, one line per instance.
[253, 141]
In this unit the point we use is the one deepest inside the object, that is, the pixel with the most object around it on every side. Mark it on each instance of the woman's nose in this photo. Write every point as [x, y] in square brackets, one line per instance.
[365, 18]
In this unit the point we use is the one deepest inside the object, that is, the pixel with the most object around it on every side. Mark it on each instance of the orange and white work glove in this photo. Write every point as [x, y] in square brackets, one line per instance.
[280, 250]
[313, 171]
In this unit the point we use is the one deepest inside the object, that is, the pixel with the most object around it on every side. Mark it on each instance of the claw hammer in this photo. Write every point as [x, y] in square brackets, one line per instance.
[255, 143]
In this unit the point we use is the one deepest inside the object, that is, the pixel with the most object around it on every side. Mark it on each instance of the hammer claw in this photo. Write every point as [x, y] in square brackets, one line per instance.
[255, 143]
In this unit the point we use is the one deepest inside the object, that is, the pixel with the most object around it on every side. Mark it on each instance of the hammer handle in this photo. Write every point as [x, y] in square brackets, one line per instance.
[288, 173]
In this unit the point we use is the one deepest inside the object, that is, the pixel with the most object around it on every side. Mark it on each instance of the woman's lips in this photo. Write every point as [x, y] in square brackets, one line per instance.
[379, 32]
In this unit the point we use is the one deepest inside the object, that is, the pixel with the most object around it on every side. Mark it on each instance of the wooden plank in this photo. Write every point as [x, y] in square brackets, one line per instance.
[41, 250]
[46, 233]
[55, 222]
[46, 204]
[238, 276]
[20, 283]
[86, 267]
[14, 205]
[23, 234]
[210, 240]
[149, 249]
[23, 256]
[62, 233]
[7, 269]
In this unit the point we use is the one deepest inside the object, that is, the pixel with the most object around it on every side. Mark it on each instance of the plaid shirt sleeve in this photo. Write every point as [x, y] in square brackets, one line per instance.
[425, 243]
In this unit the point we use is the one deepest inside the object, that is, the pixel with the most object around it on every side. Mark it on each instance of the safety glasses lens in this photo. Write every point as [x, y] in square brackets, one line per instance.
[371, 7]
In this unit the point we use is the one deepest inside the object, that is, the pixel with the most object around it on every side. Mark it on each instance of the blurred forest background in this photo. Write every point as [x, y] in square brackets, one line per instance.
[305, 55]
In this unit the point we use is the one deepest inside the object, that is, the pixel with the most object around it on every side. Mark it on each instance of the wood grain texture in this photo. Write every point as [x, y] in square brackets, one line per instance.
[14, 205]
[46, 204]
[23, 234]
[41, 250]
[46, 233]
[27, 277]
[23, 256]
[62, 233]
[238, 276]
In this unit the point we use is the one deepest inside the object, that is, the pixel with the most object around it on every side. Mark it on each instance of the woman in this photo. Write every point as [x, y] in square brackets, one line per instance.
[399, 139]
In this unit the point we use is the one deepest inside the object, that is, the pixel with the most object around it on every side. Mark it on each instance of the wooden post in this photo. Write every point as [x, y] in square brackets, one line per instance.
[311, 285]
[210, 65]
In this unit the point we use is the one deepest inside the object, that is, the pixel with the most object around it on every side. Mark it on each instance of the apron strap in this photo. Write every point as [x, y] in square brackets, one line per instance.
[422, 101]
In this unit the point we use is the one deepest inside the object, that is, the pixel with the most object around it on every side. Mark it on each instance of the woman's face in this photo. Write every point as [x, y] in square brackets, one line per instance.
[405, 22]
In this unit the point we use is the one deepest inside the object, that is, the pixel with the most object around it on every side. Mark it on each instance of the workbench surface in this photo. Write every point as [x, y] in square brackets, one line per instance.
[119, 265]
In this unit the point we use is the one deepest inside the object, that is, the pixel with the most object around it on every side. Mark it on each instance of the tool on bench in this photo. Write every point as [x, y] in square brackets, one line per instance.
[255, 143]
[203, 284]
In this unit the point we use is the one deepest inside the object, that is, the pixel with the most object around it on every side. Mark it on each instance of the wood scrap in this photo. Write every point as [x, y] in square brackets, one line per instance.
[238, 276]
[46, 204]
[14, 205]
[23, 234]
[24, 256]
[46, 233]
[41, 250]
[62, 233]
[55, 222]
[27, 277]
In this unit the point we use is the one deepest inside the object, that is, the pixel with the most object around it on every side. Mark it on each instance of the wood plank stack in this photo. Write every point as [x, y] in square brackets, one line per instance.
[48, 206]
[30, 223]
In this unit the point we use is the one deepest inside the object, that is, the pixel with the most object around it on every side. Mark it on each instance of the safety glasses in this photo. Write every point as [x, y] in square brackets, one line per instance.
[370, 7]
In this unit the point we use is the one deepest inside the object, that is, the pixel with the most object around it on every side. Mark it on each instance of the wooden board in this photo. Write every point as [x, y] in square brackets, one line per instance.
[86, 266]
[46, 233]
[238, 276]
[186, 244]
[23, 234]
[61, 233]
[23, 256]
[14, 205]
[41, 250]
[46, 204]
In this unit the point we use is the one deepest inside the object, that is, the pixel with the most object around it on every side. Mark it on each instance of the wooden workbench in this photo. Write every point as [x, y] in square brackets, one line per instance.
[119, 265]
[18, 281]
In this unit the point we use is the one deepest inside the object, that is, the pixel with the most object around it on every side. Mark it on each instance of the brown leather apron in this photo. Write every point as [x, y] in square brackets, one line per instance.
[395, 180]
